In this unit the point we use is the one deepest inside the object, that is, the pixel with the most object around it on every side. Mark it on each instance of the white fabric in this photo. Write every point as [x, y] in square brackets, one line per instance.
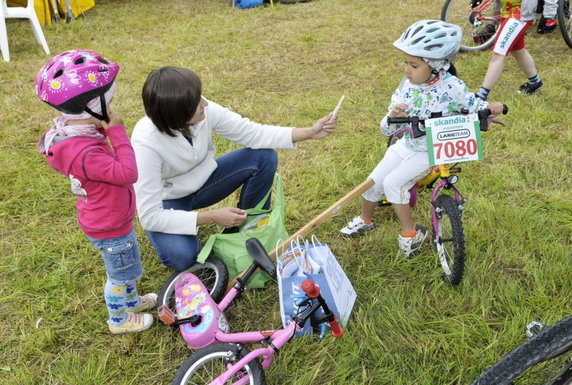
[507, 35]
[170, 168]
[61, 128]
[398, 171]
[550, 9]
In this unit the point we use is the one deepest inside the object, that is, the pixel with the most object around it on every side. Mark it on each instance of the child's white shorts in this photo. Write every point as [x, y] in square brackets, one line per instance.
[397, 172]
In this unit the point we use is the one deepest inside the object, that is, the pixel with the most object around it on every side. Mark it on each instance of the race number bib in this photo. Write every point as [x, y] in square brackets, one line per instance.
[453, 139]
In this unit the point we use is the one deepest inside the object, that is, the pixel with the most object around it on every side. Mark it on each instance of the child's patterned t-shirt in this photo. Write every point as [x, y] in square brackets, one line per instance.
[448, 96]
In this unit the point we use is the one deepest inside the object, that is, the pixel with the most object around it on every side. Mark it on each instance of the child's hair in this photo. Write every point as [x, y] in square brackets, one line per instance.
[452, 69]
[72, 79]
[435, 41]
[171, 96]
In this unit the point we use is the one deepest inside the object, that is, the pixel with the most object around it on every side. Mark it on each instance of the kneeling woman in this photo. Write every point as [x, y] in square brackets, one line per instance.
[178, 171]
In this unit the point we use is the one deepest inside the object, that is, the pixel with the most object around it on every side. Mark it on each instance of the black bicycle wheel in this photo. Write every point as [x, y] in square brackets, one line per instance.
[211, 361]
[539, 360]
[213, 274]
[478, 35]
[449, 239]
[565, 21]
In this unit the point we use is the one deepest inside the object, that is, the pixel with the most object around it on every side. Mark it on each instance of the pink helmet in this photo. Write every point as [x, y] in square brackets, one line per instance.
[70, 80]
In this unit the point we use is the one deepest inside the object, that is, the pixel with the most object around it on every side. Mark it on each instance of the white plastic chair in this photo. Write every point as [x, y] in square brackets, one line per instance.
[27, 12]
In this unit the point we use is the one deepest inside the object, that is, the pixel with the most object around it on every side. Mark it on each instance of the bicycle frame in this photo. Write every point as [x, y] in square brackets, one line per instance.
[476, 19]
[275, 339]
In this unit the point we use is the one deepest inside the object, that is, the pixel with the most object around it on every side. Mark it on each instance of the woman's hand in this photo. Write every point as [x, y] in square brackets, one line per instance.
[226, 217]
[397, 111]
[322, 128]
[496, 108]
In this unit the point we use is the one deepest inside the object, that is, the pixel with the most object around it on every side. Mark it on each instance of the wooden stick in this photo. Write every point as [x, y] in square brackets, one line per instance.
[323, 217]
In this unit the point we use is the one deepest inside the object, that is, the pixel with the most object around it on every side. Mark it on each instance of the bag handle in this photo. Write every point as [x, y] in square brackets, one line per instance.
[296, 245]
[278, 198]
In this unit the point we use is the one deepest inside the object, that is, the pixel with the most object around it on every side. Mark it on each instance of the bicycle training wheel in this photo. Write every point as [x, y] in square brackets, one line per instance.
[565, 21]
[449, 239]
[213, 274]
[543, 359]
[479, 28]
[210, 362]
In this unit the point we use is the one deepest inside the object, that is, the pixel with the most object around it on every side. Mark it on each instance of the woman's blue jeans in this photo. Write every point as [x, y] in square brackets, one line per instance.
[252, 169]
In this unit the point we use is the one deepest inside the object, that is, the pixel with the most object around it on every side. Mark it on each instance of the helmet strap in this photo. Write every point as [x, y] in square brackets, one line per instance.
[104, 116]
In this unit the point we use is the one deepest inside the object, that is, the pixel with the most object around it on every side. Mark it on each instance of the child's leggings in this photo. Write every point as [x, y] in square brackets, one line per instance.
[119, 299]
[123, 267]
[397, 172]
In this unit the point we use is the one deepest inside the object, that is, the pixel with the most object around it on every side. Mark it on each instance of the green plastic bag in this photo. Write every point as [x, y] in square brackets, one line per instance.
[266, 225]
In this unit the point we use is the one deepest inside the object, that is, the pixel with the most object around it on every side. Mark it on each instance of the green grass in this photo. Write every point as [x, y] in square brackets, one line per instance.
[289, 65]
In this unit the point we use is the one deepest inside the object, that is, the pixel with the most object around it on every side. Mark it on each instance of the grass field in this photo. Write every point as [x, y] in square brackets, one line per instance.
[289, 65]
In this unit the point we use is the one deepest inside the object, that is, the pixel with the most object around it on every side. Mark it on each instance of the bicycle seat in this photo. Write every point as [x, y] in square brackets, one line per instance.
[260, 256]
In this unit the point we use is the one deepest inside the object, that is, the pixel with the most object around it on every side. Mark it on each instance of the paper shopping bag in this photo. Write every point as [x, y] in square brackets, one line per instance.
[337, 290]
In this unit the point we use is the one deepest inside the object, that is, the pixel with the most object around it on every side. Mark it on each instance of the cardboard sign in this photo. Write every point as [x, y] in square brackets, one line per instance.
[454, 139]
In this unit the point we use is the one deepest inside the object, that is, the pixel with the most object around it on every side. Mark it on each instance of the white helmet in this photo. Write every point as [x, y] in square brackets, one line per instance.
[430, 39]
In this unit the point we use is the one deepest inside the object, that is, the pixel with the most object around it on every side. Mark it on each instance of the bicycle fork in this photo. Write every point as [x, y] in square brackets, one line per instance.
[448, 180]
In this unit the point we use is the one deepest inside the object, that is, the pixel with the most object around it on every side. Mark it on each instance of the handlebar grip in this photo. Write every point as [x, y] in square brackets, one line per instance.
[399, 120]
[310, 288]
[337, 330]
[504, 109]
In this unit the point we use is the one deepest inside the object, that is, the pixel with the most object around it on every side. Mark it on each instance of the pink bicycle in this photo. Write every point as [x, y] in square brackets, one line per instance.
[221, 357]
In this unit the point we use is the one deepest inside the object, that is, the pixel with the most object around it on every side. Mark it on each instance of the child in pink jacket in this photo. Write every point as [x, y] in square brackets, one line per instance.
[81, 85]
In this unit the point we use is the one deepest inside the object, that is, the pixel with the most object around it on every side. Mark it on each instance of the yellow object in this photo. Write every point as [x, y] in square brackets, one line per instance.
[47, 12]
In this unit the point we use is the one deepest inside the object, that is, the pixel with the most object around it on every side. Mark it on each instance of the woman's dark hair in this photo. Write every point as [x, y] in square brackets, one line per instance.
[171, 96]
[452, 69]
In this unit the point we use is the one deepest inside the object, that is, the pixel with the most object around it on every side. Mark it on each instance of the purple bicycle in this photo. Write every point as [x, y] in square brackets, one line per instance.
[446, 209]
[221, 357]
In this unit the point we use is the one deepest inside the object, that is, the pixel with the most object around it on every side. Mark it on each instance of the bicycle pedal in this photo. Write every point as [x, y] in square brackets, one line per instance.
[166, 315]
[534, 328]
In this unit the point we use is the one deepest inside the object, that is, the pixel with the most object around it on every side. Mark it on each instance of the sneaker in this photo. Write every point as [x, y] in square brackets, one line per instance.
[546, 26]
[134, 323]
[356, 226]
[146, 302]
[529, 89]
[484, 35]
[410, 246]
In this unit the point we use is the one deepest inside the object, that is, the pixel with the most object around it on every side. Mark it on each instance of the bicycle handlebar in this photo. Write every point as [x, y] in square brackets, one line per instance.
[313, 291]
[415, 121]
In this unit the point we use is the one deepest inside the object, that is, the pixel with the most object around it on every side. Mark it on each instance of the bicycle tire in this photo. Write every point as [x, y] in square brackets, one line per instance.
[216, 357]
[212, 273]
[458, 12]
[565, 21]
[449, 239]
[550, 343]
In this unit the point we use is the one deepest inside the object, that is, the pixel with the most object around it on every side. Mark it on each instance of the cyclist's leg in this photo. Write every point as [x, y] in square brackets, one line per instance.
[525, 62]
[509, 39]
[413, 166]
[388, 163]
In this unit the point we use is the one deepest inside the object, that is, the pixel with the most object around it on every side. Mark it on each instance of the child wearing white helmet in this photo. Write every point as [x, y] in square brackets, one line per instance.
[429, 86]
